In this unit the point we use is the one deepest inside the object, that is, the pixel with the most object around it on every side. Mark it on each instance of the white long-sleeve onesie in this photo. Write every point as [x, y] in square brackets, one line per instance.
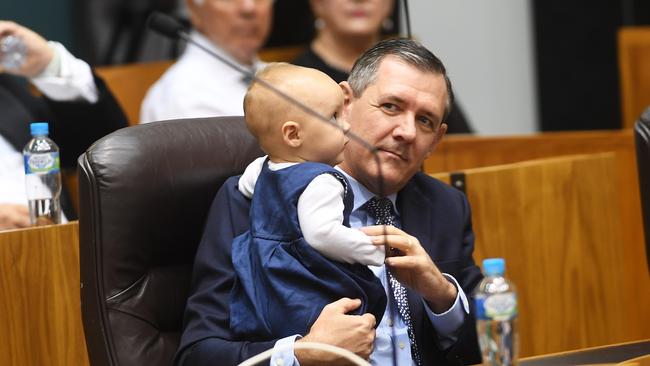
[320, 214]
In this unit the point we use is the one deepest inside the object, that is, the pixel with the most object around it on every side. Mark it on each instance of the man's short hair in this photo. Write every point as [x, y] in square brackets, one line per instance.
[364, 71]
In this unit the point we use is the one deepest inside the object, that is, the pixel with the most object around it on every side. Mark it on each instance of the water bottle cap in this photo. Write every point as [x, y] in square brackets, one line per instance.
[494, 266]
[39, 128]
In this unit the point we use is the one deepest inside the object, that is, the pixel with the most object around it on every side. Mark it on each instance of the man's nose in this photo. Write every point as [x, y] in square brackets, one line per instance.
[405, 128]
[247, 6]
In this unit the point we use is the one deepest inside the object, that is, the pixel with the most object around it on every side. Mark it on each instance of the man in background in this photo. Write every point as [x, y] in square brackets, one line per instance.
[198, 85]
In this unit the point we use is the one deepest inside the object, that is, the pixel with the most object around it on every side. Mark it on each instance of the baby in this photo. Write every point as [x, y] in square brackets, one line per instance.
[300, 253]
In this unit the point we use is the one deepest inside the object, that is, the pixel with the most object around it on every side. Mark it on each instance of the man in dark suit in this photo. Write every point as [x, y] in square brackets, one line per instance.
[76, 103]
[396, 98]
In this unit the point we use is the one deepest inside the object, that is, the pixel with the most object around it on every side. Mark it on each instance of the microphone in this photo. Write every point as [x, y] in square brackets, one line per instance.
[165, 25]
[172, 28]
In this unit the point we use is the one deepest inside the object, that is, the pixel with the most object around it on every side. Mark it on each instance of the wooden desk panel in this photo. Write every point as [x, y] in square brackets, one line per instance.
[559, 226]
[609, 355]
[40, 310]
[457, 153]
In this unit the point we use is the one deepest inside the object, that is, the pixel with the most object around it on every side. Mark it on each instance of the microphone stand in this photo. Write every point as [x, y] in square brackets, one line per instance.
[158, 20]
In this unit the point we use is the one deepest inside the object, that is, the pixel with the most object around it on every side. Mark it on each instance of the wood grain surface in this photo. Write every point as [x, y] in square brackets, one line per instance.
[40, 311]
[558, 224]
[633, 61]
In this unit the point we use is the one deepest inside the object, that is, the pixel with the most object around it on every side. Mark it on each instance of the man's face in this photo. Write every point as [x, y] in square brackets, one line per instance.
[238, 26]
[400, 114]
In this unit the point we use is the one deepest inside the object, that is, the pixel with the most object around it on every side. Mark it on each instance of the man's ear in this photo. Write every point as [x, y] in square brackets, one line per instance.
[439, 135]
[291, 134]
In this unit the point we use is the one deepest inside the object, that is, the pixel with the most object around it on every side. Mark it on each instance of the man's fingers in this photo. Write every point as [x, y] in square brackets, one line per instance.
[370, 319]
[344, 305]
[403, 242]
[401, 262]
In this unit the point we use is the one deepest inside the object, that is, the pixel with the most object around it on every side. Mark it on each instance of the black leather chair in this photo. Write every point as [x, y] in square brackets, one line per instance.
[144, 194]
[642, 139]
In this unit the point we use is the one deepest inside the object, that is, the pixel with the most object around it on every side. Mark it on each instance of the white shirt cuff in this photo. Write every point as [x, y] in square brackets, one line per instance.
[448, 322]
[283, 354]
[66, 78]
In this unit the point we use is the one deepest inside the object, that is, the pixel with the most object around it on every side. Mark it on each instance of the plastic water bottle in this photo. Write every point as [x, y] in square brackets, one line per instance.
[496, 315]
[13, 52]
[42, 176]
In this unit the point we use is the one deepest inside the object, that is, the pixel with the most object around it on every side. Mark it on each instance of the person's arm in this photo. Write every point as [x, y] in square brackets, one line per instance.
[66, 78]
[38, 52]
[206, 333]
[320, 214]
[82, 108]
[52, 69]
[246, 184]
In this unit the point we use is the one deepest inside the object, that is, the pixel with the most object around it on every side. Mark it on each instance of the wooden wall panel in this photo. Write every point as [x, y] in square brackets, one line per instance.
[40, 309]
[559, 225]
[634, 71]
[465, 152]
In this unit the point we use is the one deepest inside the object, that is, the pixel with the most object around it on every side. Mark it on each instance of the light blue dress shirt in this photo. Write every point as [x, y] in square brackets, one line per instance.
[446, 324]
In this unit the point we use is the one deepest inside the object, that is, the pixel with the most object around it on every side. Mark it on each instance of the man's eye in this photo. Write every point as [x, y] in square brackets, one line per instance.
[426, 121]
[389, 106]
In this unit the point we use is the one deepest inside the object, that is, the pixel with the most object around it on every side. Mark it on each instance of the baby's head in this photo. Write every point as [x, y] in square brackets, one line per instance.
[286, 132]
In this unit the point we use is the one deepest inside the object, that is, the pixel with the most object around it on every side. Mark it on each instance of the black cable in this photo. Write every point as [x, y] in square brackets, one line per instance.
[407, 18]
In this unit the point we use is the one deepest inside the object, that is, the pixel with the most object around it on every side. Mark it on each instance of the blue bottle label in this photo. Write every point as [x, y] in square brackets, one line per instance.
[496, 307]
[46, 163]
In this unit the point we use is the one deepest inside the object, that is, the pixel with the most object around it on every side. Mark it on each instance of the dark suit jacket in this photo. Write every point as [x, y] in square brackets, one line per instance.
[74, 126]
[438, 215]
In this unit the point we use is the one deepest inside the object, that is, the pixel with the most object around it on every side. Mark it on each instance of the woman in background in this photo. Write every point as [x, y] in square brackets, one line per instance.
[344, 30]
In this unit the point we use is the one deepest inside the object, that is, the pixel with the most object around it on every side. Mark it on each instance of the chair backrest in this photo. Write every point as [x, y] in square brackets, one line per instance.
[144, 195]
[642, 140]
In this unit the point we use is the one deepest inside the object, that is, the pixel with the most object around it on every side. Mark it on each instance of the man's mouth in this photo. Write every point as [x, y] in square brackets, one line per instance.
[394, 153]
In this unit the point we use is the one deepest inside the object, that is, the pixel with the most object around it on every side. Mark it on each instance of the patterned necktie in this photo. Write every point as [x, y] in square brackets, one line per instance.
[381, 209]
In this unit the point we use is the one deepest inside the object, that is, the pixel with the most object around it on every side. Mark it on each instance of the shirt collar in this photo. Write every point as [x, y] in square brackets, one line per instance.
[362, 194]
[207, 43]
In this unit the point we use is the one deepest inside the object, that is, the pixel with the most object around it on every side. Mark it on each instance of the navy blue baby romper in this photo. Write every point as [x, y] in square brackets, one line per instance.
[282, 283]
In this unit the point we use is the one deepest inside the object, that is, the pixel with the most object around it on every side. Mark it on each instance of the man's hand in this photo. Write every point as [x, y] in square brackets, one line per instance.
[13, 216]
[356, 333]
[39, 53]
[414, 268]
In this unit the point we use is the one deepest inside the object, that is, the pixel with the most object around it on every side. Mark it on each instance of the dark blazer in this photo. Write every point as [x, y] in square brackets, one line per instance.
[438, 215]
[74, 126]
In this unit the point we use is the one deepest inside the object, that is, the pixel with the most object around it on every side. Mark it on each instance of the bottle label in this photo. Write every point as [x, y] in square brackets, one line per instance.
[496, 306]
[46, 163]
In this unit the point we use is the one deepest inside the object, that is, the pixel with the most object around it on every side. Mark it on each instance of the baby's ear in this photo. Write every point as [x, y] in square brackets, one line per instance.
[291, 135]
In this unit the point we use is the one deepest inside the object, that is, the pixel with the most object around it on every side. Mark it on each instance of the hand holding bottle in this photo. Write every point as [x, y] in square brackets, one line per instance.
[37, 51]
